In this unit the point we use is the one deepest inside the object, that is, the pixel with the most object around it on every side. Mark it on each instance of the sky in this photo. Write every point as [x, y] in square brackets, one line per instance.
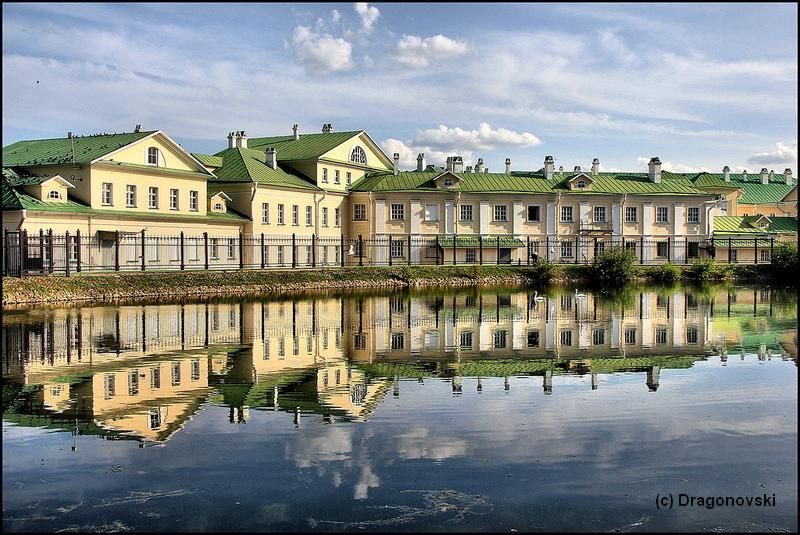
[700, 86]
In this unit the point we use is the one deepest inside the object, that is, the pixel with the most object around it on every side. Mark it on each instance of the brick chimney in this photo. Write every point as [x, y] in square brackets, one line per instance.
[272, 157]
[595, 166]
[549, 167]
[420, 162]
[726, 173]
[654, 170]
[508, 166]
[764, 175]
[295, 132]
[787, 173]
[479, 166]
[396, 163]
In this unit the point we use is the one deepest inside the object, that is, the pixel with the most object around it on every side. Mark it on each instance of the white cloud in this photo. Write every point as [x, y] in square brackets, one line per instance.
[483, 138]
[367, 14]
[320, 53]
[335, 16]
[672, 167]
[414, 51]
[408, 154]
[784, 154]
[614, 44]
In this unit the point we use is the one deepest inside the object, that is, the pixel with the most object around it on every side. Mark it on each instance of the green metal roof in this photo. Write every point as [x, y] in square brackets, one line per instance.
[207, 159]
[10, 198]
[307, 147]
[708, 180]
[59, 150]
[19, 177]
[531, 182]
[474, 241]
[249, 165]
[735, 225]
[753, 191]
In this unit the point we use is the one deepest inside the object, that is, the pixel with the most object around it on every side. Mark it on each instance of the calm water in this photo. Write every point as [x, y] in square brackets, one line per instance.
[452, 411]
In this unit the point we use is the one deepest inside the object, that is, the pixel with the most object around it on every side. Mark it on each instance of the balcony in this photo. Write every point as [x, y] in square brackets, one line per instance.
[589, 226]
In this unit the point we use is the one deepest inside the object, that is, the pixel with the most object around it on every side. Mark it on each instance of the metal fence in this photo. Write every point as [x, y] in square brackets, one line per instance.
[48, 253]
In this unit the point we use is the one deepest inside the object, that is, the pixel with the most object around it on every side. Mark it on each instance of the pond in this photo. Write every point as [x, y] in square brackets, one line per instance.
[490, 409]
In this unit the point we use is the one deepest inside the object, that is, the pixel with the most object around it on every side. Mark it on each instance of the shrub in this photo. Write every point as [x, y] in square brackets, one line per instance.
[613, 266]
[665, 273]
[784, 259]
[705, 269]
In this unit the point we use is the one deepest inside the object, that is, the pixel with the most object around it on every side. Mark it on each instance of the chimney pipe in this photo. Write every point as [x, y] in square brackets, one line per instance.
[577, 169]
[726, 173]
[479, 166]
[764, 176]
[508, 166]
[241, 140]
[69, 135]
[295, 132]
[420, 162]
[449, 164]
[272, 157]
[138, 128]
[396, 161]
[654, 170]
[469, 169]
[787, 173]
[327, 128]
[549, 167]
[744, 174]
[595, 166]
[231, 142]
[458, 164]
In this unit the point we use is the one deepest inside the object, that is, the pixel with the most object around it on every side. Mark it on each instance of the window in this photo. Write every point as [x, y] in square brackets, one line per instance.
[349, 176]
[598, 337]
[662, 214]
[599, 214]
[176, 373]
[214, 247]
[398, 341]
[630, 246]
[265, 213]
[280, 214]
[194, 201]
[360, 341]
[152, 156]
[280, 255]
[396, 305]
[733, 255]
[231, 248]
[566, 338]
[630, 336]
[448, 182]
[155, 377]
[398, 211]
[337, 218]
[693, 215]
[195, 370]
[295, 215]
[470, 255]
[566, 214]
[580, 184]
[130, 196]
[630, 214]
[173, 199]
[359, 212]
[566, 249]
[337, 177]
[324, 217]
[397, 248]
[694, 249]
[661, 249]
[358, 156]
[661, 336]
[466, 212]
[152, 198]
[534, 213]
[466, 340]
[325, 174]
[309, 255]
[108, 385]
[533, 338]
[500, 212]
[106, 197]
[600, 247]
[54, 194]
[764, 255]
[691, 335]
[499, 339]
[431, 212]
[309, 216]
[133, 382]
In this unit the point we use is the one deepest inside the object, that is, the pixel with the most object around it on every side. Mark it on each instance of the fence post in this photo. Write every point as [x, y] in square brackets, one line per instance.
[641, 250]
[205, 249]
[313, 250]
[6, 256]
[390, 249]
[183, 265]
[360, 250]
[263, 252]
[730, 254]
[23, 252]
[755, 251]
[341, 250]
[66, 249]
[713, 249]
[52, 251]
[529, 250]
[241, 251]
[668, 249]
[547, 248]
[116, 250]
[454, 249]
[594, 253]
[409, 249]
[143, 249]
[480, 248]
[294, 251]
[78, 249]
[41, 250]
[498, 250]
[577, 246]
[771, 243]
[686, 251]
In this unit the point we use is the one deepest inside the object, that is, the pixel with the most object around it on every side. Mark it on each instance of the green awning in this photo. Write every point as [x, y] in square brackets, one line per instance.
[474, 241]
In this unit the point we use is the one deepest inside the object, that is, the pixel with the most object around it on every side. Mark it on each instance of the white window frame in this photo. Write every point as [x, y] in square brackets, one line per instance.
[398, 211]
[324, 216]
[281, 220]
[693, 210]
[309, 216]
[56, 197]
[358, 155]
[153, 152]
[470, 212]
[662, 214]
[501, 210]
[295, 215]
[599, 210]
[348, 177]
[564, 210]
[325, 175]
[152, 198]
[337, 217]
[359, 212]
[397, 248]
[130, 196]
[631, 214]
[194, 201]
[173, 199]
[470, 256]
[337, 176]
[567, 246]
[107, 194]
[265, 213]
[528, 212]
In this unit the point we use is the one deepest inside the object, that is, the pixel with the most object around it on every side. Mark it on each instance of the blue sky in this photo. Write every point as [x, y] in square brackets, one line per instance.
[699, 85]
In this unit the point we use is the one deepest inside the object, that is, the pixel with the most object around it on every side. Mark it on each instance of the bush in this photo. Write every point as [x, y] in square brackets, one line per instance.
[665, 273]
[784, 259]
[705, 269]
[613, 267]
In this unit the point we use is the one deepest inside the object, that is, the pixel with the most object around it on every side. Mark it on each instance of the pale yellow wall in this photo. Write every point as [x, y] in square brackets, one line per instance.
[169, 156]
[787, 209]
[78, 176]
[42, 191]
[143, 180]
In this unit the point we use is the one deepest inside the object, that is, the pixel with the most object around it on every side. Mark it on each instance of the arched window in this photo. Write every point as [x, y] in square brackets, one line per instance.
[152, 156]
[580, 184]
[54, 194]
[218, 207]
[358, 156]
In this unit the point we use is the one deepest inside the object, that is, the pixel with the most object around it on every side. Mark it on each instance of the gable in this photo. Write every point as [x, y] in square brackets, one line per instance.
[170, 154]
[580, 179]
[448, 177]
[376, 158]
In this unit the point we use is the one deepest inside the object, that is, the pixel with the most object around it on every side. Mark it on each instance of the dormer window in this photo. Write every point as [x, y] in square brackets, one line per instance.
[54, 195]
[763, 224]
[580, 184]
[358, 155]
[448, 182]
[218, 207]
[152, 156]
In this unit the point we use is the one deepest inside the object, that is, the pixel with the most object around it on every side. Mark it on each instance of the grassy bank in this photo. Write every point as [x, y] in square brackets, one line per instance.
[178, 285]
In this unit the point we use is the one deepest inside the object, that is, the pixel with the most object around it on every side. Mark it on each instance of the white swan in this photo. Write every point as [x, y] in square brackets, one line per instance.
[536, 296]
[579, 296]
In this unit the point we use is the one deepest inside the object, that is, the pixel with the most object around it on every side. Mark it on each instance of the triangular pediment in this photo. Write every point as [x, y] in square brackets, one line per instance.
[443, 179]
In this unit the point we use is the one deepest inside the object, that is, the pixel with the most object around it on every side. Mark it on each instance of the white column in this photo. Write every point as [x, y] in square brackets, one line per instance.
[517, 334]
[647, 228]
[414, 329]
[583, 215]
[678, 227]
[678, 323]
[380, 216]
[484, 217]
[551, 229]
[449, 217]
[647, 322]
[415, 217]
[550, 328]
[616, 220]
[516, 221]
[709, 213]
[615, 328]
[485, 341]
[449, 336]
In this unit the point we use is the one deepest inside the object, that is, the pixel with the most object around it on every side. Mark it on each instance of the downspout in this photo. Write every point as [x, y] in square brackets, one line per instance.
[318, 211]
[622, 220]
[557, 217]
[455, 213]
